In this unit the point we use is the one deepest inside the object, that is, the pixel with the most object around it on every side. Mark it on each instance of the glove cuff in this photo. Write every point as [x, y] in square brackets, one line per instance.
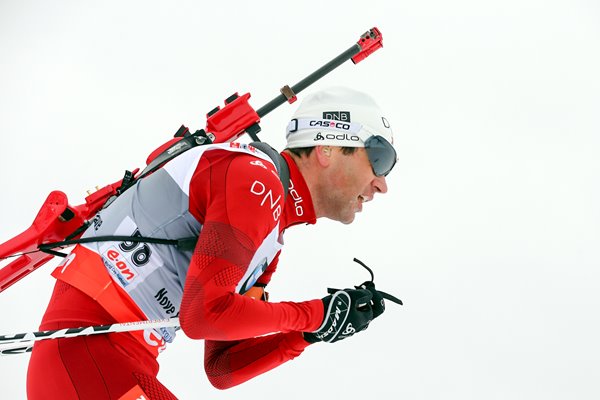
[310, 337]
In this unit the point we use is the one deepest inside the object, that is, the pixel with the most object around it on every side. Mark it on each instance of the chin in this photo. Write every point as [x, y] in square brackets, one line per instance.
[349, 220]
[346, 217]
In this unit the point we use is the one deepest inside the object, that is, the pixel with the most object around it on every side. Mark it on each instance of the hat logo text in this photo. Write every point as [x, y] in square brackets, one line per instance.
[339, 136]
[330, 124]
[337, 115]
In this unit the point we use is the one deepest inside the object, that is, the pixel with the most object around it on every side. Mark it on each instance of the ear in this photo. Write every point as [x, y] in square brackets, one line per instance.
[323, 154]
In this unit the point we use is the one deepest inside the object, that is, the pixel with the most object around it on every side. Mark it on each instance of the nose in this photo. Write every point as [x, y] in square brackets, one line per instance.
[380, 184]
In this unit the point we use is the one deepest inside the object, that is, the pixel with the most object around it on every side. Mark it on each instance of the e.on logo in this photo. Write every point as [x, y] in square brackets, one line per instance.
[120, 263]
[259, 189]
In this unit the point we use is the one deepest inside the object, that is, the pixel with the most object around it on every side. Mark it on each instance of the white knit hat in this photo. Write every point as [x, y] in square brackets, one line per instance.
[337, 116]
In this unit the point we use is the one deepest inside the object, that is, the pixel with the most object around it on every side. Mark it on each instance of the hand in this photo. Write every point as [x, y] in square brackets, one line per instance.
[377, 302]
[346, 312]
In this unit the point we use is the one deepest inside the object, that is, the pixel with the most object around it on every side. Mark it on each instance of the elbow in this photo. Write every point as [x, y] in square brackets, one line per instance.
[196, 322]
[219, 373]
[220, 382]
[193, 316]
[191, 326]
[199, 318]
[217, 370]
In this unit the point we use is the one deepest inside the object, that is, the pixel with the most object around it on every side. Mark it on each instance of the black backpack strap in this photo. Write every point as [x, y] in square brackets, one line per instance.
[282, 167]
[188, 243]
[187, 141]
[185, 243]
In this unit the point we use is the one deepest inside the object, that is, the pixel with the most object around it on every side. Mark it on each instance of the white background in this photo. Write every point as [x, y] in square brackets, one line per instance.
[490, 230]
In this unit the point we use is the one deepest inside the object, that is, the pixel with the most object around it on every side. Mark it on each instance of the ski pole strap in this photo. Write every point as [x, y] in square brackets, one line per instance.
[183, 244]
[390, 297]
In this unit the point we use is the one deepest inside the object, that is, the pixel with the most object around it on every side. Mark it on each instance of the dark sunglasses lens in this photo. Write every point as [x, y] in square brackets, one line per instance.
[381, 155]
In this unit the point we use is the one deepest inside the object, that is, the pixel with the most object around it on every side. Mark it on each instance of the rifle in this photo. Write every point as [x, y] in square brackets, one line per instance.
[59, 222]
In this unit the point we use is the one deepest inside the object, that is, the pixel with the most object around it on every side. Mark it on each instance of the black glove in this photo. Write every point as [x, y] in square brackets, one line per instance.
[350, 310]
[377, 303]
[346, 312]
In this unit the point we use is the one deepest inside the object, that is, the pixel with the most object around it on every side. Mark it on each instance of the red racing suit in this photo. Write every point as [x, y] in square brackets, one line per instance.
[230, 196]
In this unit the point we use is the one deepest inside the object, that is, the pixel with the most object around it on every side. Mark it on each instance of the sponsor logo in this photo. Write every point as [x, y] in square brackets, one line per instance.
[330, 124]
[258, 163]
[177, 147]
[163, 300]
[338, 136]
[166, 334]
[297, 199]
[97, 222]
[118, 266]
[129, 261]
[259, 189]
[334, 323]
[337, 115]
[154, 339]
[349, 329]
[337, 313]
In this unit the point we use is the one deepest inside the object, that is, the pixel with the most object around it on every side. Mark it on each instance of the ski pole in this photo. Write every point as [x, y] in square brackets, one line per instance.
[81, 331]
[16, 350]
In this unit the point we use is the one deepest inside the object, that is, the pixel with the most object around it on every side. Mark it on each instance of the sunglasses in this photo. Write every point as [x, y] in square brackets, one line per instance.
[382, 155]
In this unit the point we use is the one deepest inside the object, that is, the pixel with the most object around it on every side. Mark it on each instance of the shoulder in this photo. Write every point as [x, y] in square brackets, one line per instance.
[237, 186]
[257, 182]
[248, 168]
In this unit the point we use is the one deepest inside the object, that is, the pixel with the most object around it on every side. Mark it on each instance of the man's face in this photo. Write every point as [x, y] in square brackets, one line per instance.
[349, 183]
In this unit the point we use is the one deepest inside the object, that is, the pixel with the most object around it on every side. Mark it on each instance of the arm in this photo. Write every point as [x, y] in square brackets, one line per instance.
[228, 364]
[236, 221]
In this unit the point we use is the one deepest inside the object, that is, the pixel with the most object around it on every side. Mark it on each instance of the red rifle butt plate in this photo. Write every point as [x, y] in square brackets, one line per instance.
[55, 220]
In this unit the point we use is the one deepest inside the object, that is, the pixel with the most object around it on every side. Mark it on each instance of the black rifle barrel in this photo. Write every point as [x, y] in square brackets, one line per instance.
[309, 80]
